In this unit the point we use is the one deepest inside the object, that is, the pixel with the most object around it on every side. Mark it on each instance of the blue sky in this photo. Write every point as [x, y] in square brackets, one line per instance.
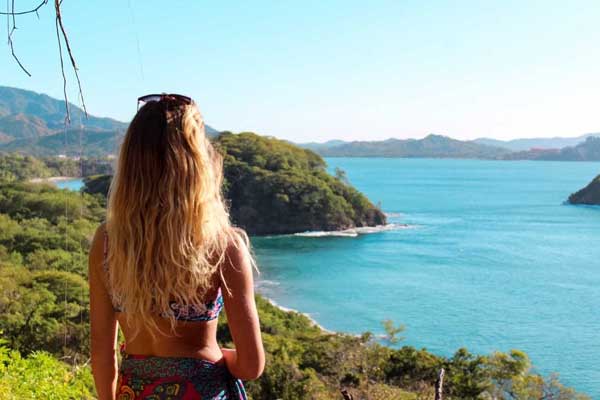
[319, 70]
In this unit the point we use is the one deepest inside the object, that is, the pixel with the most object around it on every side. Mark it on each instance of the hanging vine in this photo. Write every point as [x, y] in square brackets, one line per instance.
[61, 36]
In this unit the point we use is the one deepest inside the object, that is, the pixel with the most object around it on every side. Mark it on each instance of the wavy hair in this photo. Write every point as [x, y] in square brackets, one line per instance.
[168, 227]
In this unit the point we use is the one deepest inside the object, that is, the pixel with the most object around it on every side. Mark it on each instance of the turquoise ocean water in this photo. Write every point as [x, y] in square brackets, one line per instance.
[71, 184]
[492, 260]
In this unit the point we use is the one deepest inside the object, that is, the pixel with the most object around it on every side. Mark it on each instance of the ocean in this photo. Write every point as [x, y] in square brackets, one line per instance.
[484, 255]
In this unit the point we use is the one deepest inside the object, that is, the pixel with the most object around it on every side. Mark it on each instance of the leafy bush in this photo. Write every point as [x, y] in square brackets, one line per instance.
[41, 376]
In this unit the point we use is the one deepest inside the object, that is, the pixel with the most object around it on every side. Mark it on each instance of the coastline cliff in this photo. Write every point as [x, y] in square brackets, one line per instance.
[277, 188]
[589, 195]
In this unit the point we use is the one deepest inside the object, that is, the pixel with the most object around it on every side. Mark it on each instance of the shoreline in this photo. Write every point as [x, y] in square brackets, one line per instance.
[314, 321]
[53, 179]
[291, 310]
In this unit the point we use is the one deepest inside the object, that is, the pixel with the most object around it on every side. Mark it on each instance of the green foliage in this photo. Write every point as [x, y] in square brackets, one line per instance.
[45, 310]
[15, 167]
[392, 331]
[28, 200]
[276, 187]
[44, 242]
[41, 376]
[61, 166]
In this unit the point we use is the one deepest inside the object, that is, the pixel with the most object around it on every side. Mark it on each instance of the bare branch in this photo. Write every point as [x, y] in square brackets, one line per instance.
[61, 34]
[59, 23]
[32, 11]
[62, 70]
[10, 33]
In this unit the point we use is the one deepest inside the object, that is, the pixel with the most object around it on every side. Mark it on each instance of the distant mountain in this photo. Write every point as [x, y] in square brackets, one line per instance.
[432, 146]
[589, 150]
[316, 146]
[33, 123]
[589, 195]
[536, 143]
[45, 111]
[94, 143]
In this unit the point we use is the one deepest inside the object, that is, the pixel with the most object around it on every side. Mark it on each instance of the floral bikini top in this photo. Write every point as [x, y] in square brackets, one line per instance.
[182, 312]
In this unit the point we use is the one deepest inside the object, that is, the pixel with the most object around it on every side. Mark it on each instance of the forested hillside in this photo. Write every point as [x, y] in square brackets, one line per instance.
[276, 187]
[45, 236]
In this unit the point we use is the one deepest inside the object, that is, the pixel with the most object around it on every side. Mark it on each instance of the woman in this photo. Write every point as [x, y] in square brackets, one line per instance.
[165, 263]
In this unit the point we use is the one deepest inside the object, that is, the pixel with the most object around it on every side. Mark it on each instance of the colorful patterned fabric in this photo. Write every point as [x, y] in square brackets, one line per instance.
[176, 378]
[183, 312]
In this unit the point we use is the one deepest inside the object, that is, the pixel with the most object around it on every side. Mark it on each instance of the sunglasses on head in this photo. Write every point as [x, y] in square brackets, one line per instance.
[170, 98]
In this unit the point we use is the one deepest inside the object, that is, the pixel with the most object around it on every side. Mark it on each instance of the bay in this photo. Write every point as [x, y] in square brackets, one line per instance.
[72, 184]
[491, 259]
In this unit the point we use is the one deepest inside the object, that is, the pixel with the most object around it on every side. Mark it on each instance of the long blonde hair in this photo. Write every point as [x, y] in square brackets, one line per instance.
[167, 224]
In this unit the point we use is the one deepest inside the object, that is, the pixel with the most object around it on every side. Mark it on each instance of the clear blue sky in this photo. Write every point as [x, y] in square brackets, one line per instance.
[319, 70]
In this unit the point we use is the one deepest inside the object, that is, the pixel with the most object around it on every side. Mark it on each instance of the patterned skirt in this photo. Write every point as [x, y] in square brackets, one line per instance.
[176, 378]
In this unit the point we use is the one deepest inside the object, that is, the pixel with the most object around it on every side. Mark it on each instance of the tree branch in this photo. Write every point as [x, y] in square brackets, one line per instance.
[32, 11]
[11, 12]
[61, 35]
[59, 23]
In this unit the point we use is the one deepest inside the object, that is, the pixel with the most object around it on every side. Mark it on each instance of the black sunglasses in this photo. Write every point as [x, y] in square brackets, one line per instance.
[173, 99]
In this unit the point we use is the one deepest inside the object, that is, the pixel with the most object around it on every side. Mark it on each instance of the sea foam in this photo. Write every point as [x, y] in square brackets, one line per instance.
[354, 232]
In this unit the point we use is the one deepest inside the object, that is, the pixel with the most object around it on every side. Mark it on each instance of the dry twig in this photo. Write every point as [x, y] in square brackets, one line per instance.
[61, 35]
[59, 24]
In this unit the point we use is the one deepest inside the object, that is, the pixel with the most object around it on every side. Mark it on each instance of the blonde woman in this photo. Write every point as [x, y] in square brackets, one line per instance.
[164, 265]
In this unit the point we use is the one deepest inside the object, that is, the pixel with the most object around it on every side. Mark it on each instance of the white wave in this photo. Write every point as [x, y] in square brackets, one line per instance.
[393, 214]
[354, 232]
[286, 309]
[266, 282]
[345, 233]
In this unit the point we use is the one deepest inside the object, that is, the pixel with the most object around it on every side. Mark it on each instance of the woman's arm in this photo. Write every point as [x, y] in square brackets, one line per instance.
[247, 361]
[103, 324]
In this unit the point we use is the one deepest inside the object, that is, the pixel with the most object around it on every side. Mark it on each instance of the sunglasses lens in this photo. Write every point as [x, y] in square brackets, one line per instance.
[171, 100]
[149, 98]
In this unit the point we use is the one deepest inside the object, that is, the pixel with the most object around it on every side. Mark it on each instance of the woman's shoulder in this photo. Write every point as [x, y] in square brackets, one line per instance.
[97, 251]
[238, 259]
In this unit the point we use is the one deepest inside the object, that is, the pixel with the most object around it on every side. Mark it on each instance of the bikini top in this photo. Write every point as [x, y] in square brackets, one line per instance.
[182, 312]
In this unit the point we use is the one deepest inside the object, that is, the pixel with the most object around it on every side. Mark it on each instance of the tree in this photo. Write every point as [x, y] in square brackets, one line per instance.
[392, 331]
